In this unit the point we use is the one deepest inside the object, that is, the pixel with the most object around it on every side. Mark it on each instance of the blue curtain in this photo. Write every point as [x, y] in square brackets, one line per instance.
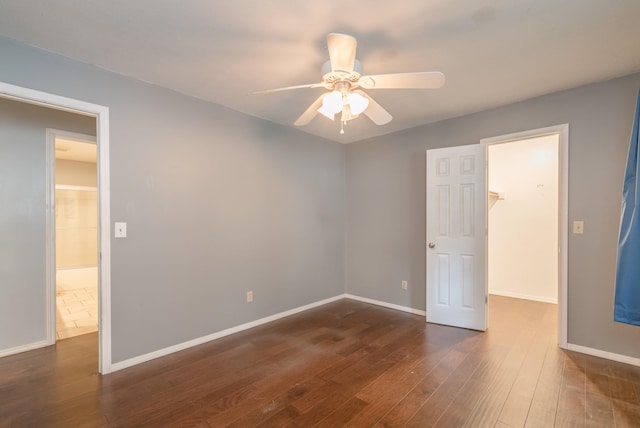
[627, 297]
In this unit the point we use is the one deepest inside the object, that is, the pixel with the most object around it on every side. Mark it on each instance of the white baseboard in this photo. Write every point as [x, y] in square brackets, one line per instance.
[524, 296]
[23, 348]
[204, 339]
[604, 354]
[386, 305]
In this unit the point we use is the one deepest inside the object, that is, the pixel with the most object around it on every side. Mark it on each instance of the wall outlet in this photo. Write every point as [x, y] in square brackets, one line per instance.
[405, 285]
[249, 296]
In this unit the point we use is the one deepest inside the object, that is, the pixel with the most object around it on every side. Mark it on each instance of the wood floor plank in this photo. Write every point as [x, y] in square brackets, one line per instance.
[599, 410]
[344, 413]
[402, 412]
[518, 403]
[263, 391]
[623, 390]
[490, 405]
[626, 415]
[437, 404]
[389, 389]
[542, 411]
[571, 407]
[322, 406]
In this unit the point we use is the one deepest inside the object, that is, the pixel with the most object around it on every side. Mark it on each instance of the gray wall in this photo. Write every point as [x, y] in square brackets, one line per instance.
[217, 203]
[386, 202]
[22, 216]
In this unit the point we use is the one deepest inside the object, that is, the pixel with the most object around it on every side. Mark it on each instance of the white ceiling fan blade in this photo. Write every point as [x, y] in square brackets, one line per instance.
[342, 51]
[375, 112]
[310, 112]
[287, 88]
[416, 80]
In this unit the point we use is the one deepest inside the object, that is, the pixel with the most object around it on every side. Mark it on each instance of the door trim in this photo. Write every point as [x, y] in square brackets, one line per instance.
[563, 212]
[101, 114]
[50, 227]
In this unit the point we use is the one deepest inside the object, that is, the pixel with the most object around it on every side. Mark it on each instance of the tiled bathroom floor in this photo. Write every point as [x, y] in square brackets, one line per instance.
[76, 311]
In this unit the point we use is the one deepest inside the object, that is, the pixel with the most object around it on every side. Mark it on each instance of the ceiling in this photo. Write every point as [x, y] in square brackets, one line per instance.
[75, 150]
[493, 52]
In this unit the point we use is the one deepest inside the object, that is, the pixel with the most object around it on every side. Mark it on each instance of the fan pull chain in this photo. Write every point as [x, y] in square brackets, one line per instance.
[342, 126]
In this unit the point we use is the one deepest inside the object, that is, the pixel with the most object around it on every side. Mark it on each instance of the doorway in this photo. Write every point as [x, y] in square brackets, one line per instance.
[551, 152]
[522, 218]
[101, 115]
[76, 233]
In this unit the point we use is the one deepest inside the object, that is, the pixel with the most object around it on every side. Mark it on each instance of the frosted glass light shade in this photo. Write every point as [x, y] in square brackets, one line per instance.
[331, 104]
[357, 103]
[335, 102]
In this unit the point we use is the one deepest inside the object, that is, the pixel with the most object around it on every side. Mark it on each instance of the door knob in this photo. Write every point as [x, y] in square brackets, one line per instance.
[431, 245]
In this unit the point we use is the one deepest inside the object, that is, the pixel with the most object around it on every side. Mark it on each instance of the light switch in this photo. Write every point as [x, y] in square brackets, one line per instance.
[120, 230]
[578, 227]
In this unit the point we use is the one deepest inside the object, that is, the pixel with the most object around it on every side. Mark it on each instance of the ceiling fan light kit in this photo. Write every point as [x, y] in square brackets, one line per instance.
[336, 101]
[342, 76]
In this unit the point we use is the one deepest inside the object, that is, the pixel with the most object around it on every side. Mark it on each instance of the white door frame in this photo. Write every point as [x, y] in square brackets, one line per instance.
[563, 212]
[50, 228]
[101, 113]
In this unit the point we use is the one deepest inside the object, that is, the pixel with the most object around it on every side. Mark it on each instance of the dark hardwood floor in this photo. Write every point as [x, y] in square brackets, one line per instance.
[343, 364]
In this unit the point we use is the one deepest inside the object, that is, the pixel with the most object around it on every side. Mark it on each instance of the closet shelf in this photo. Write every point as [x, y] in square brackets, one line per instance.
[496, 195]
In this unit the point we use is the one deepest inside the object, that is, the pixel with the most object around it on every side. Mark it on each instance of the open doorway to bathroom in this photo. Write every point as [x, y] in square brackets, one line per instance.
[76, 234]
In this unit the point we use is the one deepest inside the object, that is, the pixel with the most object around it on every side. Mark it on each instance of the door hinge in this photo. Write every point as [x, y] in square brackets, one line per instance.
[486, 299]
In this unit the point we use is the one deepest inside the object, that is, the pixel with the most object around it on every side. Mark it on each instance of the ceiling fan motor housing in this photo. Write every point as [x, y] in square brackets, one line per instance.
[330, 77]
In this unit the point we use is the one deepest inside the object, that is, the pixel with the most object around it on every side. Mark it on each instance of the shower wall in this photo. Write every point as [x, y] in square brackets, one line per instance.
[76, 228]
[76, 215]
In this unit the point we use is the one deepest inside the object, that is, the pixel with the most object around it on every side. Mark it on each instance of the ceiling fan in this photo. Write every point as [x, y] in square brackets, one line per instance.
[342, 77]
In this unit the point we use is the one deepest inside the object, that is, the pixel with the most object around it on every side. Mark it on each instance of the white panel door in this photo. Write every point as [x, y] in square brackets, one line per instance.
[456, 237]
